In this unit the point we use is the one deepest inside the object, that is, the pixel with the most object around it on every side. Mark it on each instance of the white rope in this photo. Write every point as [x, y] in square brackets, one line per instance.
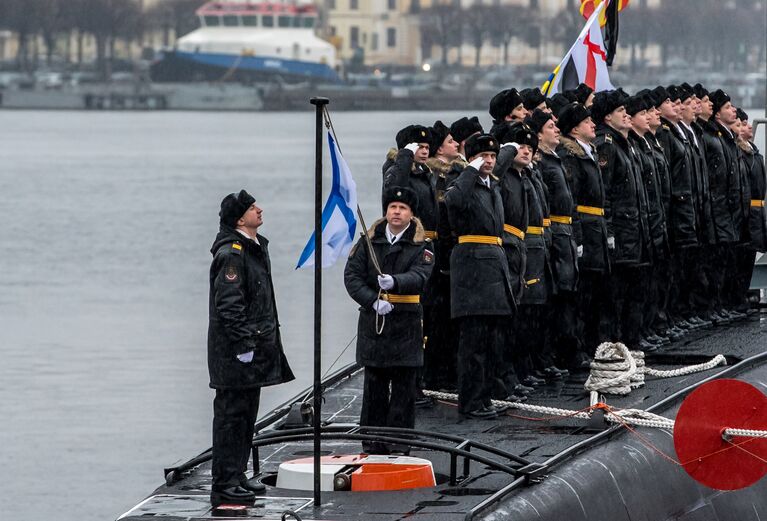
[633, 417]
[616, 370]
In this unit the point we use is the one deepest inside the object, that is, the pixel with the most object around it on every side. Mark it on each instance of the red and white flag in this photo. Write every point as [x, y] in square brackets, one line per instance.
[585, 62]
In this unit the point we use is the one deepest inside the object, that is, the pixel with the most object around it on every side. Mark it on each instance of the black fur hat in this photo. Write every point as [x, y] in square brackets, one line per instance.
[538, 119]
[582, 93]
[401, 194]
[522, 134]
[571, 116]
[531, 98]
[234, 206]
[636, 104]
[479, 143]
[719, 98]
[605, 102]
[465, 127]
[700, 91]
[742, 114]
[660, 94]
[558, 102]
[503, 103]
[439, 132]
[412, 134]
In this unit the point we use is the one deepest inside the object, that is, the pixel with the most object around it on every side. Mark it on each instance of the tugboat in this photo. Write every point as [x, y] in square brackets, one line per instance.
[250, 41]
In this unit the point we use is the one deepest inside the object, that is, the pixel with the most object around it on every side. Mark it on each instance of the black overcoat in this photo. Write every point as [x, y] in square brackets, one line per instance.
[625, 198]
[409, 261]
[721, 171]
[757, 217]
[480, 283]
[656, 216]
[681, 219]
[590, 231]
[515, 203]
[402, 170]
[243, 315]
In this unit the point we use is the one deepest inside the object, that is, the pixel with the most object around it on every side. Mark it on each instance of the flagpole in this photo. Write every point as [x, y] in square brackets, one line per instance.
[319, 104]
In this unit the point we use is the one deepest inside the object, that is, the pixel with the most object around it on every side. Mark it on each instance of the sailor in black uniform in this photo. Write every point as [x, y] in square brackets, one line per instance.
[480, 287]
[589, 227]
[506, 107]
[625, 213]
[244, 345]
[389, 333]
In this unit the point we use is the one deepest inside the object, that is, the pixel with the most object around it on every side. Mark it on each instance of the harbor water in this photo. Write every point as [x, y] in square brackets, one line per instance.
[105, 230]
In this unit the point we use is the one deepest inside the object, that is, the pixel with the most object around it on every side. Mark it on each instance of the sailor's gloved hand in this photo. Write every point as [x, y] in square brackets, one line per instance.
[611, 243]
[515, 145]
[580, 251]
[477, 162]
[245, 358]
[413, 147]
[385, 282]
[382, 307]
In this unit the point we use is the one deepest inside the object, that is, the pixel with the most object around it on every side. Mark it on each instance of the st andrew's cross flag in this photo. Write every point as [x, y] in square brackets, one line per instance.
[338, 218]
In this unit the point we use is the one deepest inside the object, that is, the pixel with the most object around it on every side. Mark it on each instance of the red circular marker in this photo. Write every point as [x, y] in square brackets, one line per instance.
[698, 441]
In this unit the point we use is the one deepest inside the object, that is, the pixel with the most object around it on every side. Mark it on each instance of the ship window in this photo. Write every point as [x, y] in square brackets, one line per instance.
[296, 21]
[250, 21]
[309, 22]
[267, 20]
[212, 21]
[284, 21]
[231, 21]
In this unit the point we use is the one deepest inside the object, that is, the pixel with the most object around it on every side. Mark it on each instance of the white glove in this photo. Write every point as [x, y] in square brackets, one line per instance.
[245, 358]
[515, 145]
[385, 282]
[580, 251]
[413, 147]
[477, 162]
[611, 243]
[382, 307]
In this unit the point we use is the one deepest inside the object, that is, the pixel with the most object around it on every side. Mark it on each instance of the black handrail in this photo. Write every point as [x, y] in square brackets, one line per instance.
[586, 444]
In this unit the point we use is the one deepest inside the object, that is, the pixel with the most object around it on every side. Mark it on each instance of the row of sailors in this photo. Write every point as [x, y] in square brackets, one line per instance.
[577, 219]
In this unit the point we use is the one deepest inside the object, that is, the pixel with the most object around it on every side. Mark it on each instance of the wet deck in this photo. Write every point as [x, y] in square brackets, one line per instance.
[535, 441]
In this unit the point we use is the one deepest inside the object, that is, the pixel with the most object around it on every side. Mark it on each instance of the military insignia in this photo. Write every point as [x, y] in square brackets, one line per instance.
[608, 138]
[666, 127]
[423, 134]
[602, 161]
[231, 274]
[428, 257]
[440, 196]
[399, 193]
[236, 248]
[491, 143]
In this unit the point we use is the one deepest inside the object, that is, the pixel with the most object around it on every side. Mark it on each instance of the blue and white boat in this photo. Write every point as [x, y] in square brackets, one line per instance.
[250, 41]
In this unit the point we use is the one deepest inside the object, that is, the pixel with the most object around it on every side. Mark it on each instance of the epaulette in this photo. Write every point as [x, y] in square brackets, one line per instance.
[608, 138]
[236, 248]
[495, 178]
[665, 127]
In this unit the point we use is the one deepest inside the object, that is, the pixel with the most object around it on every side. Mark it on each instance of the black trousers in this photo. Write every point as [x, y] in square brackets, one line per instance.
[626, 289]
[698, 282]
[716, 264]
[479, 339]
[388, 400]
[439, 364]
[562, 327]
[234, 417]
[679, 297]
[739, 276]
[594, 324]
[532, 337]
[663, 280]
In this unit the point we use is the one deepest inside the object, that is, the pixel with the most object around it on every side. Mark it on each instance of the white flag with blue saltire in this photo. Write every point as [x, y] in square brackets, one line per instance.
[339, 221]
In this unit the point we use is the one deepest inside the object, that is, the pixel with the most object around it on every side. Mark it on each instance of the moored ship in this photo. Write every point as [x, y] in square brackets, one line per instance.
[250, 41]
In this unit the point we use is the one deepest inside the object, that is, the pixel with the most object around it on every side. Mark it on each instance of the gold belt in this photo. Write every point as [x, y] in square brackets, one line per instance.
[535, 230]
[431, 234]
[514, 231]
[402, 299]
[532, 281]
[757, 203]
[546, 223]
[480, 239]
[562, 219]
[591, 210]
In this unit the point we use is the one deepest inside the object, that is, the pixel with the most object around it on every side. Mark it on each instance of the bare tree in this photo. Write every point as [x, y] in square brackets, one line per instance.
[442, 24]
[477, 30]
[502, 27]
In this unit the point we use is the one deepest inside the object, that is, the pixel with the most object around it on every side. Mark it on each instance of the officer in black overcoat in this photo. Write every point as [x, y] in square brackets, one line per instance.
[563, 252]
[244, 345]
[506, 107]
[589, 227]
[625, 213]
[724, 116]
[480, 286]
[681, 219]
[389, 331]
[637, 109]
[757, 217]
[440, 355]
